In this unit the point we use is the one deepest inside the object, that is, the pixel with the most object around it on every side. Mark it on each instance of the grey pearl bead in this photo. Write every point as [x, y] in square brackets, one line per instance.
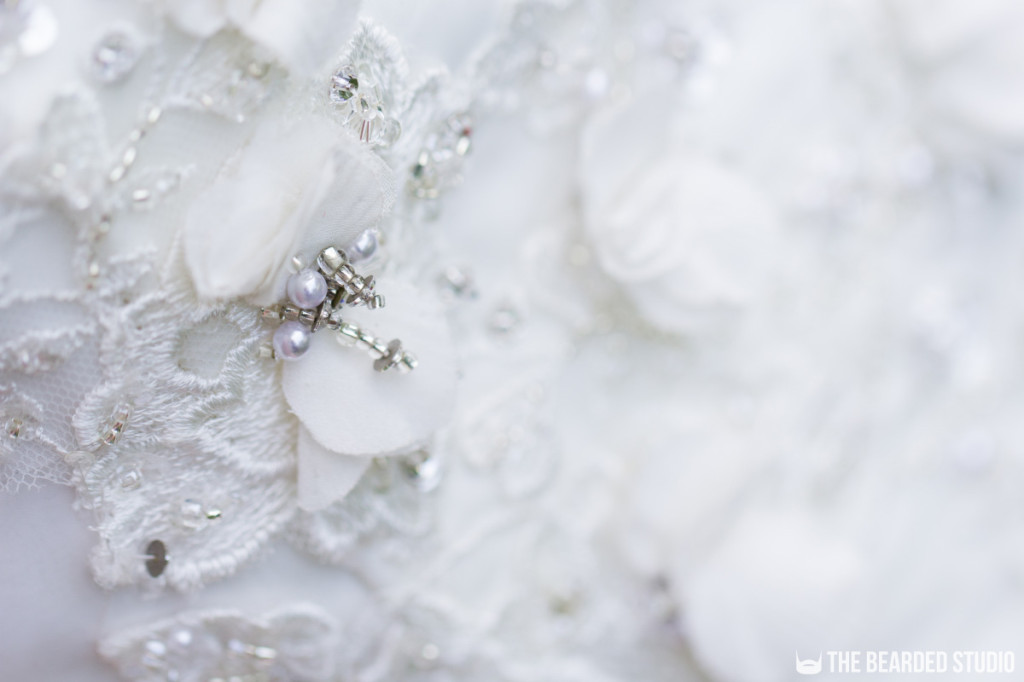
[306, 288]
[362, 247]
[291, 340]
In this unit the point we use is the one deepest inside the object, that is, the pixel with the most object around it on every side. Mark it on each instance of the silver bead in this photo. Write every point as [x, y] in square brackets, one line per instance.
[291, 340]
[395, 357]
[362, 247]
[385, 356]
[307, 288]
[330, 260]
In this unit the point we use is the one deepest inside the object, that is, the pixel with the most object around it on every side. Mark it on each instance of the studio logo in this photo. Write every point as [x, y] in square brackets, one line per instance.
[808, 667]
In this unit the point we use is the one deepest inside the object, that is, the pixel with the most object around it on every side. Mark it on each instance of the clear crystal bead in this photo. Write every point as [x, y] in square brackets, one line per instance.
[424, 470]
[439, 164]
[182, 637]
[192, 515]
[505, 319]
[361, 103]
[456, 283]
[114, 56]
[344, 85]
[390, 131]
[153, 658]
[131, 479]
[460, 130]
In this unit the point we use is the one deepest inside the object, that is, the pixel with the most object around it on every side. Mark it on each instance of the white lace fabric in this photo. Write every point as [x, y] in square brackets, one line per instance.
[157, 406]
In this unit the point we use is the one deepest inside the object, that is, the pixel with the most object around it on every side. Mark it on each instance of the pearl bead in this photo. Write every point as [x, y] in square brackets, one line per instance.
[307, 288]
[291, 340]
[362, 247]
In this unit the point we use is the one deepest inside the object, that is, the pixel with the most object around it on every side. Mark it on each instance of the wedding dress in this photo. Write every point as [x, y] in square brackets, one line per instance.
[548, 340]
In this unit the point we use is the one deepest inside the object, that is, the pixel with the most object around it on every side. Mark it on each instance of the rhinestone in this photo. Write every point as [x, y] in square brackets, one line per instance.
[114, 57]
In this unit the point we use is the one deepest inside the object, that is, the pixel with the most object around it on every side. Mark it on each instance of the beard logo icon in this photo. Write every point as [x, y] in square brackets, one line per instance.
[808, 667]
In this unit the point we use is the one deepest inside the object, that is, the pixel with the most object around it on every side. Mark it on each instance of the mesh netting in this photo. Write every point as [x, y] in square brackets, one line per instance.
[36, 413]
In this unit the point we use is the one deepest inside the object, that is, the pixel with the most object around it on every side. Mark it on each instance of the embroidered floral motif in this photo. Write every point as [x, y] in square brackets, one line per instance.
[148, 387]
[296, 643]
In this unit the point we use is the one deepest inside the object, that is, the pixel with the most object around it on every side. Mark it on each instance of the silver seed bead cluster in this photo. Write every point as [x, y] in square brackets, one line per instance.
[385, 356]
[316, 296]
[348, 286]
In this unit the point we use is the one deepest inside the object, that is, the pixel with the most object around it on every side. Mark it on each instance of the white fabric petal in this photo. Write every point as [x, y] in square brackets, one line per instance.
[775, 584]
[361, 191]
[684, 234]
[349, 407]
[201, 18]
[973, 56]
[241, 231]
[303, 35]
[619, 143]
[687, 238]
[324, 476]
